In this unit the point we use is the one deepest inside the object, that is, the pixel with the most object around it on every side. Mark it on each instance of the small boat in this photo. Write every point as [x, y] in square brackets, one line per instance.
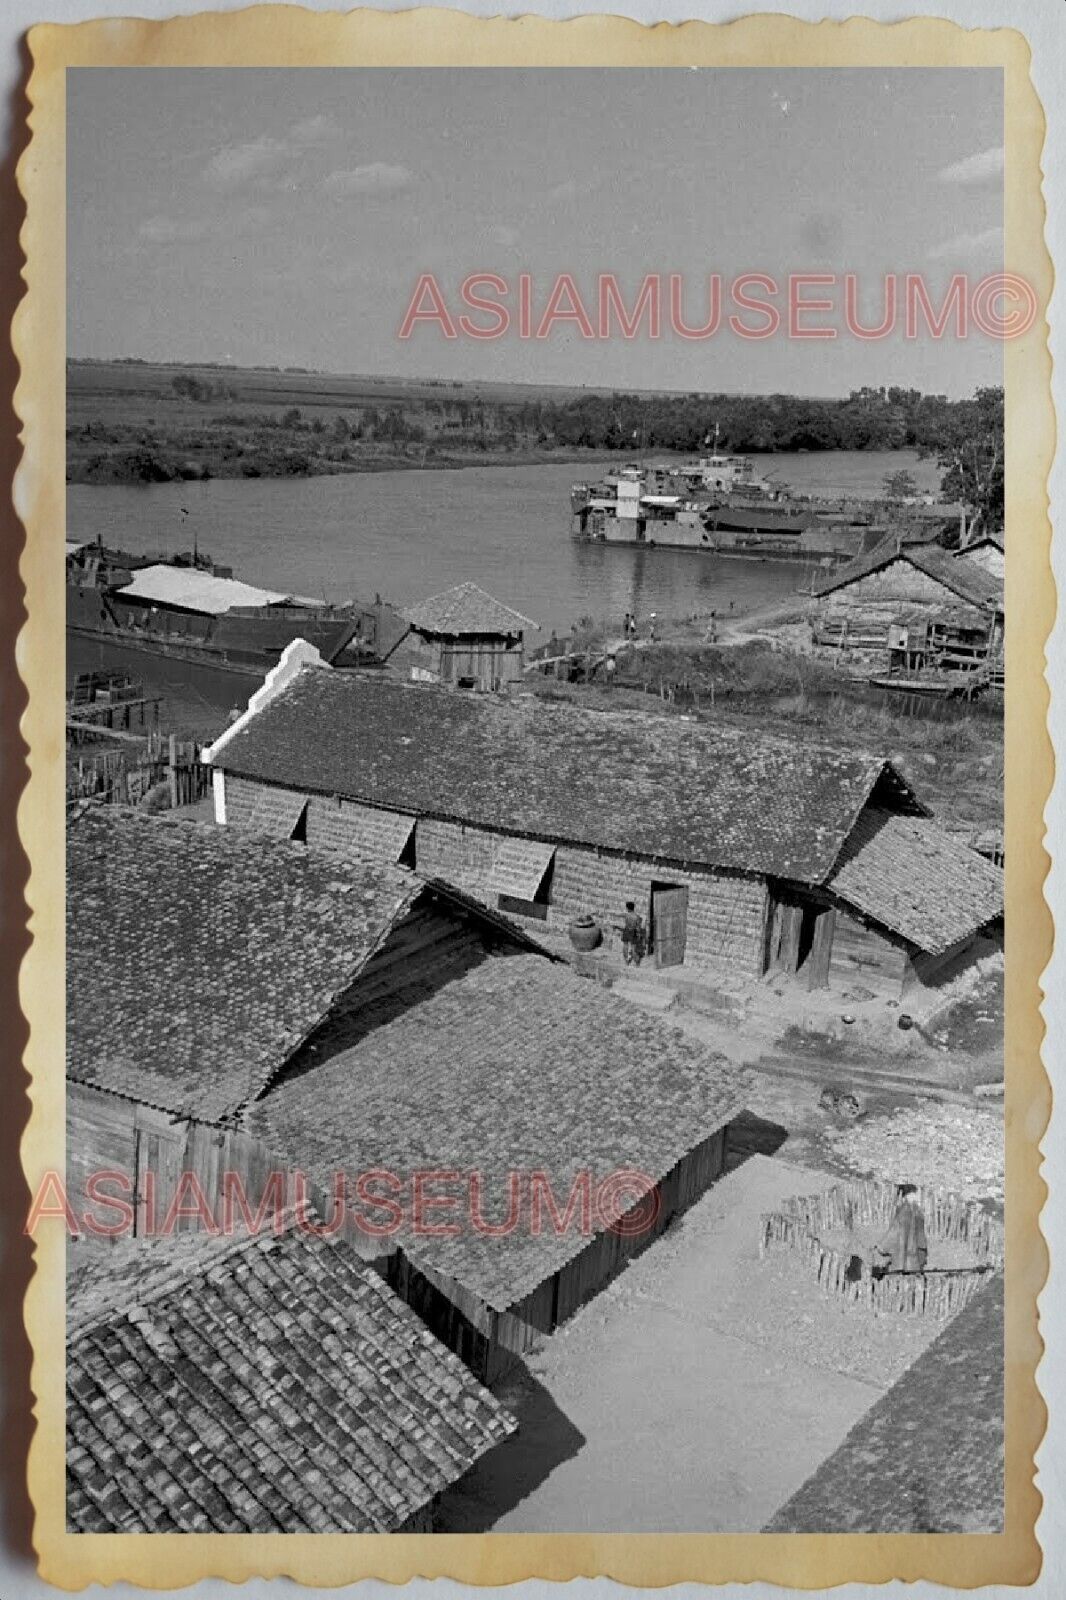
[948, 685]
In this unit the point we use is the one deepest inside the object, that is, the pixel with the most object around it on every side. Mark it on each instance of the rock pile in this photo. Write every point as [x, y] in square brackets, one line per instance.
[946, 1146]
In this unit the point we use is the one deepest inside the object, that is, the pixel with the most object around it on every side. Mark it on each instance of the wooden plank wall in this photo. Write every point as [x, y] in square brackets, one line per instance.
[489, 661]
[151, 1150]
[862, 955]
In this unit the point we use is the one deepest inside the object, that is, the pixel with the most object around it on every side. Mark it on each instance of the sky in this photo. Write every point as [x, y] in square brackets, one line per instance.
[285, 217]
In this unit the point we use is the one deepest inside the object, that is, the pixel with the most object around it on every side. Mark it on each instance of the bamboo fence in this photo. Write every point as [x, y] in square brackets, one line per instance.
[126, 777]
[798, 1227]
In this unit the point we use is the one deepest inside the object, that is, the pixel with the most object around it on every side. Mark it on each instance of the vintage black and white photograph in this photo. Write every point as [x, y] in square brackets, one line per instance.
[535, 550]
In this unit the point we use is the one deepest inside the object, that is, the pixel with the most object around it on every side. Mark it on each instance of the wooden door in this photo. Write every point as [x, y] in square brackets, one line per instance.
[669, 920]
[821, 949]
[785, 936]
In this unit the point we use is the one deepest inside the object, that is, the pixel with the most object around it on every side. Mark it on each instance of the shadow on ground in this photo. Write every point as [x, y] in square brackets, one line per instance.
[546, 1437]
[751, 1135]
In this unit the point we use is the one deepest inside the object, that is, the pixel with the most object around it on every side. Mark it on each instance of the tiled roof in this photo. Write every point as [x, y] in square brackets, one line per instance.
[995, 539]
[259, 1385]
[913, 878]
[199, 958]
[636, 781]
[465, 609]
[516, 1066]
[970, 582]
[928, 1458]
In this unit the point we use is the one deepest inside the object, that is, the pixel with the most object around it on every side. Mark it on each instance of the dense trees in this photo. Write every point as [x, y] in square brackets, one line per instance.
[869, 419]
[970, 450]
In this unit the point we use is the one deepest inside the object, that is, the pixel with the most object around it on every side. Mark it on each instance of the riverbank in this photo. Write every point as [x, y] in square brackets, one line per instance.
[951, 754]
[129, 455]
[131, 422]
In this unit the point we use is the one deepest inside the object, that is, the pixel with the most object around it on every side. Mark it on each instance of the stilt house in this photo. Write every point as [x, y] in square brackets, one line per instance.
[911, 604]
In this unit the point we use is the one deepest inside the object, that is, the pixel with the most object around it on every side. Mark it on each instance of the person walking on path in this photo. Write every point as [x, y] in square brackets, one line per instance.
[632, 936]
[904, 1247]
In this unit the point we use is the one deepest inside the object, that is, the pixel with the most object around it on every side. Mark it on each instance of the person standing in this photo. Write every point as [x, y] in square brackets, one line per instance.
[904, 1247]
[632, 935]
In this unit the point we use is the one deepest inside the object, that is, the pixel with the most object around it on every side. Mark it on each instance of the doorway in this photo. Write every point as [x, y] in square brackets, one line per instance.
[669, 923]
[800, 938]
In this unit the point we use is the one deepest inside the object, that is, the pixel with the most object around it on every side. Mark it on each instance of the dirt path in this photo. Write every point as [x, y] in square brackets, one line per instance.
[696, 1393]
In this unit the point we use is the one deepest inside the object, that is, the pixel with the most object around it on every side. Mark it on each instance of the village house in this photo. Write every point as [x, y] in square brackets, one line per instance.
[244, 1005]
[755, 853]
[913, 605]
[463, 638]
[260, 1384]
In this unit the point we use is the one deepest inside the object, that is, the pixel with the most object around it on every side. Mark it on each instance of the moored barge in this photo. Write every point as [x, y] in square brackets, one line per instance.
[189, 609]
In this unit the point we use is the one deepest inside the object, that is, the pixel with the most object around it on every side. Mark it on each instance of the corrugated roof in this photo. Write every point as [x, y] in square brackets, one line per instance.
[514, 1066]
[913, 878]
[199, 958]
[466, 609]
[259, 1385]
[971, 583]
[192, 590]
[653, 785]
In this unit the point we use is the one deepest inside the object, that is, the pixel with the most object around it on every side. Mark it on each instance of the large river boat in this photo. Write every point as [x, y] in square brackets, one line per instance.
[721, 505]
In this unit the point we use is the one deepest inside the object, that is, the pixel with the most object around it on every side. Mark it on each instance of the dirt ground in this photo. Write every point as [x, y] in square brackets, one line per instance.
[697, 1392]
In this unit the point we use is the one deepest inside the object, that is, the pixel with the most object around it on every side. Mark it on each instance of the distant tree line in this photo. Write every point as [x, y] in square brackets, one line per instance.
[869, 419]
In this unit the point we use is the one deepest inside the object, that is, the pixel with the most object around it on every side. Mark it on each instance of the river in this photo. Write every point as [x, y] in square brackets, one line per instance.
[406, 535]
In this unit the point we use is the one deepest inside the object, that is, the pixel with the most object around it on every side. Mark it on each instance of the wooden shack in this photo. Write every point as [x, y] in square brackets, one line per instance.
[917, 601]
[199, 959]
[547, 812]
[243, 1009]
[463, 638]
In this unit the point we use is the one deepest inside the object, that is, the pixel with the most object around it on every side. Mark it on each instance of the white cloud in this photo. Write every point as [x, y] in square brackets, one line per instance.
[502, 233]
[987, 243]
[263, 159]
[567, 190]
[984, 167]
[236, 163]
[185, 230]
[375, 178]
